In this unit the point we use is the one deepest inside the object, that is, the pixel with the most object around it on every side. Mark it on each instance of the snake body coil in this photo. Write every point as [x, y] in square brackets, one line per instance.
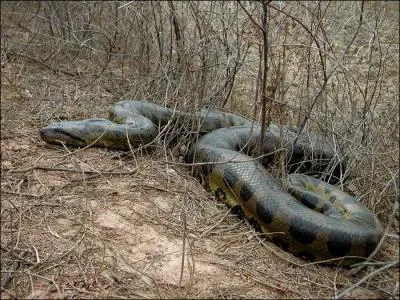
[316, 220]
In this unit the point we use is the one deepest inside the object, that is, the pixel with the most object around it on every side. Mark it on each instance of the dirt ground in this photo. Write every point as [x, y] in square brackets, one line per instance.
[88, 223]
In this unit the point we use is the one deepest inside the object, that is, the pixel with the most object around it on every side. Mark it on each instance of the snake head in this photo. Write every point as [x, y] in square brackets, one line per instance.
[67, 132]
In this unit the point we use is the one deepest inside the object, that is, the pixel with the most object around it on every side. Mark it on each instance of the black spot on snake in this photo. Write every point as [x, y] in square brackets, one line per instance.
[230, 178]
[237, 211]
[253, 222]
[245, 193]
[207, 169]
[302, 231]
[370, 245]
[267, 209]
[310, 200]
[280, 243]
[339, 243]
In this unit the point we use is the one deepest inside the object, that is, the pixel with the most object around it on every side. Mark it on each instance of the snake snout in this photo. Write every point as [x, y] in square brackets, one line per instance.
[46, 133]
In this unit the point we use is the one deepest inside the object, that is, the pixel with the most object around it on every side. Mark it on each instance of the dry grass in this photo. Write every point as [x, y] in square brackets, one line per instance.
[97, 224]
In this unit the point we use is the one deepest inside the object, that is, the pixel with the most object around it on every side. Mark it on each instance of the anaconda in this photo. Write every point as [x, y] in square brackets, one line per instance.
[309, 218]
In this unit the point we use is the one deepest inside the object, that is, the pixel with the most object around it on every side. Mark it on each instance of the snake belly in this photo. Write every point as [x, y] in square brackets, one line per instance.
[310, 218]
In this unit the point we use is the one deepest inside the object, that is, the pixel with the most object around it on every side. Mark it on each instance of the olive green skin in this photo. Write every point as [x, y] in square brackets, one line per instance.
[311, 219]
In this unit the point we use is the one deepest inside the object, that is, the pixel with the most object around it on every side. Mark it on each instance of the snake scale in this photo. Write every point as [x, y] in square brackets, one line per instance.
[309, 218]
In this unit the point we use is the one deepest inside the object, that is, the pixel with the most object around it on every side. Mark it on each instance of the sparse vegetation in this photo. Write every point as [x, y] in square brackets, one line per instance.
[94, 223]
